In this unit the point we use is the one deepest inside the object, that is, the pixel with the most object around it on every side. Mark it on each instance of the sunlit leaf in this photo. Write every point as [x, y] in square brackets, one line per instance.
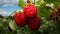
[12, 25]
[21, 3]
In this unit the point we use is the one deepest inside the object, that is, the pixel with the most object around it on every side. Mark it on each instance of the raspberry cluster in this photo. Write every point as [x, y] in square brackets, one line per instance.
[29, 17]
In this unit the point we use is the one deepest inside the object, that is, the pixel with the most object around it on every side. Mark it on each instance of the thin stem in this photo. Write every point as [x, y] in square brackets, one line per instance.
[12, 13]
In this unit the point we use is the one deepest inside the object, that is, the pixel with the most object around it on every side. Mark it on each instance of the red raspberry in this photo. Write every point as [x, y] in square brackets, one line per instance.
[20, 19]
[30, 11]
[34, 24]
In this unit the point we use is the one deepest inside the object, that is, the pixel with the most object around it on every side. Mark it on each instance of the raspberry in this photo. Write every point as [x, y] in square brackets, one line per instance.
[20, 19]
[34, 24]
[30, 11]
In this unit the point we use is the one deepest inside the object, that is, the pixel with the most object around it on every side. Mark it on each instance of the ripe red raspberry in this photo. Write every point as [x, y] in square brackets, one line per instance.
[30, 11]
[58, 10]
[34, 24]
[20, 19]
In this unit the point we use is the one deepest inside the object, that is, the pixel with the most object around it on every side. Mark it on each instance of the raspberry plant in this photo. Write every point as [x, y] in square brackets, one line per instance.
[47, 10]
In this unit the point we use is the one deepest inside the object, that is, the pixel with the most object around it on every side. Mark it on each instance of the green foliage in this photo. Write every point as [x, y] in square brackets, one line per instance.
[43, 11]
[50, 1]
[21, 3]
[55, 2]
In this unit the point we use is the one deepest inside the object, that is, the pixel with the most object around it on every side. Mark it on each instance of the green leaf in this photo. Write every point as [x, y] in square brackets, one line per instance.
[43, 12]
[49, 1]
[39, 2]
[55, 2]
[12, 25]
[21, 3]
